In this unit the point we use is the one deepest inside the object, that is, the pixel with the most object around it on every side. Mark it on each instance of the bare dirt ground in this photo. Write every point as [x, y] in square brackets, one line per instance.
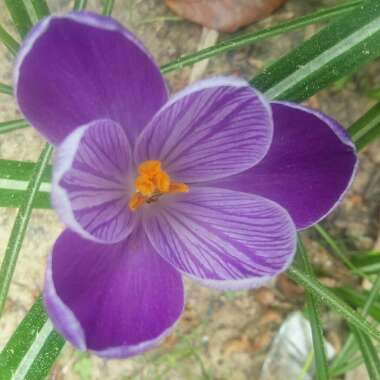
[221, 335]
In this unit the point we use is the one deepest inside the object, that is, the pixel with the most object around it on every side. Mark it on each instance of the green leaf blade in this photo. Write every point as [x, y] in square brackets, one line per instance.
[9, 126]
[6, 89]
[336, 51]
[9, 42]
[22, 170]
[327, 297]
[370, 356]
[20, 16]
[19, 228]
[41, 8]
[261, 35]
[80, 5]
[367, 128]
[312, 308]
[349, 345]
[14, 198]
[108, 7]
[33, 347]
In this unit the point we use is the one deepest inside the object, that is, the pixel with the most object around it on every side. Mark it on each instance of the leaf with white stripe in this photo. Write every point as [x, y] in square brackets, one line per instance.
[32, 349]
[14, 178]
[337, 50]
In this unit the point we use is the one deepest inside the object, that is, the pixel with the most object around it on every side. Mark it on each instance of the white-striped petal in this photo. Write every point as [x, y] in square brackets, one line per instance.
[225, 239]
[212, 129]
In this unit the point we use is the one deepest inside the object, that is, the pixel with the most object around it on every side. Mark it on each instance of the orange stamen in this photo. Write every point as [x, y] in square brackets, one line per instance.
[153, 182]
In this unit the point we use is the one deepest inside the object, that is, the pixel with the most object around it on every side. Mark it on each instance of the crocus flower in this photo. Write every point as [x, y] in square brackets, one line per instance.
[212, 183]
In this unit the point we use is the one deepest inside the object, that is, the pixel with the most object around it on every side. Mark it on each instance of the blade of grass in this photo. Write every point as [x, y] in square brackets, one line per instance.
[327, 297]
[21, 223]
[108, 7]
[41, 8]
[33, 347]
[370, 356]
[336, 51]
[250, 38]
[357, 300]
[312, 308]
[307, 365]
[368, 262]
[14, 179]
[367, 128]
[79, 5]
[6, 89]
[21, 171]
[335, 248]
[13, 199]
[349, 345]
[8, 126]
[9, 42]
[352, 364]
[20, 16]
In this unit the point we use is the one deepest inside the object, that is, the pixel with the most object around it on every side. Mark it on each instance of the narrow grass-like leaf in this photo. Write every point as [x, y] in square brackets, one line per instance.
[327, 297]
[337, 50]
[368, 262]
[249, 38]
[79, 5]
[14, 179]
[20, 16]
[358, 300]
[13, 199]
[6, 89]
[336, 249]
[8, 126]
[370, 356]
[367, 128]
[108, 7]
[9, 42]
[355, 361]
[21, 171]
[41, 8]
[312, 309]
[32, 349]
[349, 345]
[19, 228]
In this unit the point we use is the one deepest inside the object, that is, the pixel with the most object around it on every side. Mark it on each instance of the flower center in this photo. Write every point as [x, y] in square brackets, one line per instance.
[151, 183]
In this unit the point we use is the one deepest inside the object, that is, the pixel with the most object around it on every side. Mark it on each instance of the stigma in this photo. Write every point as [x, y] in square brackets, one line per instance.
[151, 183]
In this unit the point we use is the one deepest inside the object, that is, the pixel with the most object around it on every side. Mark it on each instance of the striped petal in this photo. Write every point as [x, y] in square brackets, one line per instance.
[93, 182]
[212, 129]
[308, 169]
[223, 238]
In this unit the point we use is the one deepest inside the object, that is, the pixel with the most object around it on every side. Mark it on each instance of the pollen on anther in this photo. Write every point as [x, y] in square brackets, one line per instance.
[153, 182]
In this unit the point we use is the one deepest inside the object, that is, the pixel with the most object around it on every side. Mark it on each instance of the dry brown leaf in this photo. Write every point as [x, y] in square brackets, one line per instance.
[224, 15]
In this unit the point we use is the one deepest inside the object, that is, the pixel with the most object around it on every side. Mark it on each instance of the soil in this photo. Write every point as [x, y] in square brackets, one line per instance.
[221, 335]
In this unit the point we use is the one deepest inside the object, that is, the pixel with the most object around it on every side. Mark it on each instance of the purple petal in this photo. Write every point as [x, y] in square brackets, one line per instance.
[93, 181]
[223, 238]
[80, 67]
[214, 128]
[116, 300]
[308, 169]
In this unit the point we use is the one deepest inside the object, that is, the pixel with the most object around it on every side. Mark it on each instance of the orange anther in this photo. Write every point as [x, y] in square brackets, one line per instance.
[153, 182]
